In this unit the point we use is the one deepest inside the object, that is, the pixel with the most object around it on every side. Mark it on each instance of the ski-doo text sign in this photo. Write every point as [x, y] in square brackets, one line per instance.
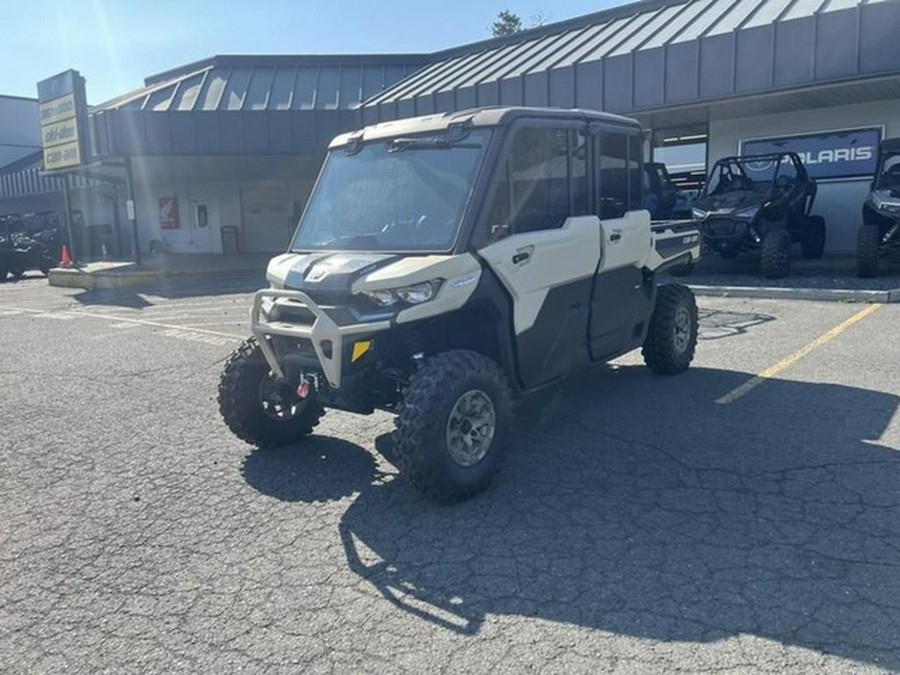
[63, 117]
[850, 153]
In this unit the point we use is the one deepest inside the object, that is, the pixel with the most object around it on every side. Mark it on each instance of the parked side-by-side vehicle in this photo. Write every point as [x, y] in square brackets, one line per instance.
[760, 204]
[879, 234]
[448, 265]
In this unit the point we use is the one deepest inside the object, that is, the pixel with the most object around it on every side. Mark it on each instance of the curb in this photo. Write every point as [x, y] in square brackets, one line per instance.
[820, 294]
[74, 278]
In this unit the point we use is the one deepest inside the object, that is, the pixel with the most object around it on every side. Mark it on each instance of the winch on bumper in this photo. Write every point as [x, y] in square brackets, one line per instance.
[332, 344]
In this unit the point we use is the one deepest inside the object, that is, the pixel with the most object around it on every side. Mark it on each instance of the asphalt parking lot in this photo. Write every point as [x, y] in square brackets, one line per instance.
[718, 520]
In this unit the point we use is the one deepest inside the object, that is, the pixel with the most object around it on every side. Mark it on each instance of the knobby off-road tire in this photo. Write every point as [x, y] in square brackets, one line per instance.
[868, 239]
[776, 254]
[813, 242]
[247, 407]
[453, 390]
[672, 338]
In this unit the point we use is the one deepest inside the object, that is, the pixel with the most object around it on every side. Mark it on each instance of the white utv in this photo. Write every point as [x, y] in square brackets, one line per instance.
[447, 265]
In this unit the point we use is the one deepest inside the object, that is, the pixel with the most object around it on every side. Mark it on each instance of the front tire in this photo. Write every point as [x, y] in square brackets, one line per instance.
[453, 425]
[868, 240]
[813, 242]
[259, 410]
[776, 254]
[672, 338]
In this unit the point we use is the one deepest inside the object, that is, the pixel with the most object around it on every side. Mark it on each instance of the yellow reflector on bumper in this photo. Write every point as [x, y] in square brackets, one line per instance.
[359, 349]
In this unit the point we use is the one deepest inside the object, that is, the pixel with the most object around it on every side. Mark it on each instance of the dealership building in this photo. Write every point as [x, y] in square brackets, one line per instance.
[220, 155]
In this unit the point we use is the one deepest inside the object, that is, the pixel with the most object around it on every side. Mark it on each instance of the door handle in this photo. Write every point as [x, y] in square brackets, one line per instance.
[520, 257]
[615, 236]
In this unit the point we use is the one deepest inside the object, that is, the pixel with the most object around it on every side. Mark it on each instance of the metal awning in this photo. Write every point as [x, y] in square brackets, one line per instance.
[658, 54]
[246, 105]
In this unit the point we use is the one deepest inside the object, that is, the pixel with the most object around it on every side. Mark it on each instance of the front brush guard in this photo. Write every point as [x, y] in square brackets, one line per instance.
[322, 331]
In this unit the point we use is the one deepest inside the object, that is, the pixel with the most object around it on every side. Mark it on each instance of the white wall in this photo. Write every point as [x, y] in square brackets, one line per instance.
[841, 201]
[19, 128]
[207, 181]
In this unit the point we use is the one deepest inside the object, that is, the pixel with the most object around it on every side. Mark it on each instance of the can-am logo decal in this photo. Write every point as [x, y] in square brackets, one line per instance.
[833, 154]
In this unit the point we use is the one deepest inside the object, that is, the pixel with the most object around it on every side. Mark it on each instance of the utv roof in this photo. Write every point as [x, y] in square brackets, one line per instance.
[754, 158]
[890, 145]
[478, 117]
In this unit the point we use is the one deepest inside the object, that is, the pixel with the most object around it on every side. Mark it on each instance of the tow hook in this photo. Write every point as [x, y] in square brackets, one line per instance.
[309, 383]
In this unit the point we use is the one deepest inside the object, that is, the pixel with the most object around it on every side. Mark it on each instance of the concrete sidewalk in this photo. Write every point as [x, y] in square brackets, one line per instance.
[157, 267]
[832, 278]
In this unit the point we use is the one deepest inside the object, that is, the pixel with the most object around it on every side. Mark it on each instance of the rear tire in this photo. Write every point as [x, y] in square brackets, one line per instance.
[17, 273]
[672, 338]
[453, 425]
[4, 272]
[813, 241]
[776, 254]
[254, 409]
[868, 241]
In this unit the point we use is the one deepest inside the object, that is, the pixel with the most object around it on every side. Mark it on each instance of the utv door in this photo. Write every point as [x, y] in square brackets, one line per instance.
[621, 295]
[544, 246]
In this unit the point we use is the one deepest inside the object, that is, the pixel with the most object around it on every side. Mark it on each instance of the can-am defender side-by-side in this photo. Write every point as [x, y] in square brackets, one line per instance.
[879, 234]
[447, 265]
[760, 204]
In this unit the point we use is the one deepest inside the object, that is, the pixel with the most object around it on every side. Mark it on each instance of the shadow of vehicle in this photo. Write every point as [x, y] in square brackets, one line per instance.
[646, 509]
[321, 469]
[175, 288]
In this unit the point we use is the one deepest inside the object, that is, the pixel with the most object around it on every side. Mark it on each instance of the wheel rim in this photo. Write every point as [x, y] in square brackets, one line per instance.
[470, 427]
[278, 401]
[682, 331]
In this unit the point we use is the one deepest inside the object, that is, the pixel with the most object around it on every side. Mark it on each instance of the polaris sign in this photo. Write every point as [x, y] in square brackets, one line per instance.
[828, 155]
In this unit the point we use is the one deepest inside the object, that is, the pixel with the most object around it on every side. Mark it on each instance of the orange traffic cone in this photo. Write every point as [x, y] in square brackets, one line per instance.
[66, 258]
[105, 255]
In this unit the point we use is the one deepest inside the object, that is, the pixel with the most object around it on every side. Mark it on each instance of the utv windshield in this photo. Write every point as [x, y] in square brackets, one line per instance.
[401, 194]
[751, 174]
[889, 176]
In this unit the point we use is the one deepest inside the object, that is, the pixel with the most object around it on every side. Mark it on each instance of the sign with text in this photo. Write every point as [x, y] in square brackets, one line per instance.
[850, 153]
[168, 213]
[63, 117]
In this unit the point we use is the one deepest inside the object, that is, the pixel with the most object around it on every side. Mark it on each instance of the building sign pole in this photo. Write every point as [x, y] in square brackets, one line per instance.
[132, 211]
[67, 204]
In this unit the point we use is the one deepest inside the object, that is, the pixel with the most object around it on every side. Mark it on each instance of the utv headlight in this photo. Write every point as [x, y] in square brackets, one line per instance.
[382, 298]
[699, 214]
[882, 204]
[416, 295]
[411, 295]
[747, 214]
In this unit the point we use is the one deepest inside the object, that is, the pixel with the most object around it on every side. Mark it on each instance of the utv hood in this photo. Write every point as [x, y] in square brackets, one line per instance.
[324, 272]
[730, 201]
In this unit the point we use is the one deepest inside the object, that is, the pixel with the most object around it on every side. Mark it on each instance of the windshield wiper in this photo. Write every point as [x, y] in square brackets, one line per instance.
[350, 240]
[434, 143]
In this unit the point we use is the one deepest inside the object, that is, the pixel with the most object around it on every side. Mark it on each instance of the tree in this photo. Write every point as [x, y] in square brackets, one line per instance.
[507, 23]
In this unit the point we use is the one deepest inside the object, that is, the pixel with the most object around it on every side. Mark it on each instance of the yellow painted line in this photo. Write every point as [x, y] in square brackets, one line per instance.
[788, 361]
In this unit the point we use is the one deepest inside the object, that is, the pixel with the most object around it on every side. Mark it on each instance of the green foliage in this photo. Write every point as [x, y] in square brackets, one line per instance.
[507, 23]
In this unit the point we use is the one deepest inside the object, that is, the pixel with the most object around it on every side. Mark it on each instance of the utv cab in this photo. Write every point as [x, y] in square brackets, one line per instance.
[879, 234]
[760, 204]
[448, 265]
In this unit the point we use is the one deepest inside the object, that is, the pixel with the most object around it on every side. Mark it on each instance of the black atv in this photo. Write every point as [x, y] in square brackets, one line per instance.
[880, 231]
[760, 204]
[21, 251]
